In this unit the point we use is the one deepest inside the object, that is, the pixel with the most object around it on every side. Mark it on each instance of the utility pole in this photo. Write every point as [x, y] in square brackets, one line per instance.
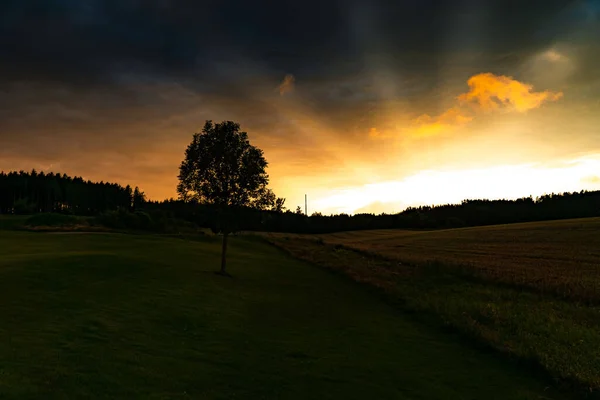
[305, 206]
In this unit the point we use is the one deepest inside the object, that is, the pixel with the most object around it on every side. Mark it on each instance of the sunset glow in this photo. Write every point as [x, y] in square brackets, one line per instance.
[388, 113]
[448, 187]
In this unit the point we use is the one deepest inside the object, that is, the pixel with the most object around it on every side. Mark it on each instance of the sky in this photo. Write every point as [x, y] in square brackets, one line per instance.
[365, 106]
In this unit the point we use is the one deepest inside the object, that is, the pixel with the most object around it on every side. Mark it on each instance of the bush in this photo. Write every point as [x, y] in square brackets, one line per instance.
[144, 221]
[118, 219]
[51, 219]
[156, 221]
[24, 207]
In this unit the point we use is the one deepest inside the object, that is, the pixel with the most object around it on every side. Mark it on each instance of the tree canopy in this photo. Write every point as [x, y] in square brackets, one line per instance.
[222, 168]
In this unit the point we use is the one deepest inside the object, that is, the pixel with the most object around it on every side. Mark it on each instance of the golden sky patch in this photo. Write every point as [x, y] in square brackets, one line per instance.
[488, 92]
[426, 125]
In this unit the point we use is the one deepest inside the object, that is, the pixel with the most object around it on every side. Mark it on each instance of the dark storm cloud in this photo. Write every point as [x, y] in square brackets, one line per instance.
[89, 41]
[77, 41]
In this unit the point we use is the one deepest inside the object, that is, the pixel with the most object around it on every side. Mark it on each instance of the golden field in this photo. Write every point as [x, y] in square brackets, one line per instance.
[562, 257]
[531, 290]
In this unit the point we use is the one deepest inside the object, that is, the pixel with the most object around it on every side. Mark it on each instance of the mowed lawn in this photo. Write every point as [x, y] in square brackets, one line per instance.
[132, 316]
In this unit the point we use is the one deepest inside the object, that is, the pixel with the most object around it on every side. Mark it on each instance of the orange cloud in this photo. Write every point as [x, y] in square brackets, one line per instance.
[487, 92]
[287, 85]
[425, 125]
[491, 91]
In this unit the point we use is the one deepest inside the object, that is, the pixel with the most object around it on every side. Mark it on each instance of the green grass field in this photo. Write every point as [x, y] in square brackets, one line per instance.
[139, 316]
[12, 222]
[531, 291]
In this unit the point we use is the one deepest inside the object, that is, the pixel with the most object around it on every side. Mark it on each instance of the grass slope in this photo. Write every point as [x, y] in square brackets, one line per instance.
[119, 316]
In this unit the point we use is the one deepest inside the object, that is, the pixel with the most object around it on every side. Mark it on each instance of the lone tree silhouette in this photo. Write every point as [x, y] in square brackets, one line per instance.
[223, 169]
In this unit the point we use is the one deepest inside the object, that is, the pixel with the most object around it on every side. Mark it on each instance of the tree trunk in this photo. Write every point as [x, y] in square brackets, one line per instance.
[224, 251]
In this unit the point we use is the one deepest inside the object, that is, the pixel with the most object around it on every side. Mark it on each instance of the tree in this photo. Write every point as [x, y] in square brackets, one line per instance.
[221, 168]
[138, 199]
[299, 210]
[279, 205]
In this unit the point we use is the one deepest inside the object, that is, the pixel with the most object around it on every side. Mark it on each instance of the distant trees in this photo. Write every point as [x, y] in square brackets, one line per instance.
[468, 213]
[32, 192]
[222, 169]
[279, 205]
[138, 199]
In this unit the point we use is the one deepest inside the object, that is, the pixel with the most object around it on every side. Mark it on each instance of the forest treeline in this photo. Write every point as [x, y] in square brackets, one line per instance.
[33, 192]
[468, 213]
